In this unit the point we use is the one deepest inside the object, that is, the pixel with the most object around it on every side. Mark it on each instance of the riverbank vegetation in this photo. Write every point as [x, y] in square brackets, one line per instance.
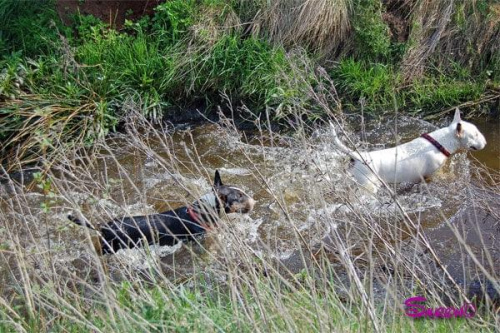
[71, 81]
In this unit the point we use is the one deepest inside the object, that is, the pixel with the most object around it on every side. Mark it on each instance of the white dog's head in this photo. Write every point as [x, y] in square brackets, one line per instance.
[468, 135]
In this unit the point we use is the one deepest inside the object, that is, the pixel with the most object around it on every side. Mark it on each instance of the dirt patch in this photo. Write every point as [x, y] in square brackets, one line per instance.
[112, 12]
[398, 27]
[397, 18]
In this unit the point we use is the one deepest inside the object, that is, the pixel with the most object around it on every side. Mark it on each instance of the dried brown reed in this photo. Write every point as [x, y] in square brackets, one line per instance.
[47, 124]
[321, 25]
[451, 32]
[213, 24]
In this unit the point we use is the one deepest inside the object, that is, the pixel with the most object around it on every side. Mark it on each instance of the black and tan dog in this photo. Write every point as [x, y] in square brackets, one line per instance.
[167, 228]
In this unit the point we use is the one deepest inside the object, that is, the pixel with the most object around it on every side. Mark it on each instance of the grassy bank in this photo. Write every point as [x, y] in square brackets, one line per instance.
[165, 308]
[73, 81]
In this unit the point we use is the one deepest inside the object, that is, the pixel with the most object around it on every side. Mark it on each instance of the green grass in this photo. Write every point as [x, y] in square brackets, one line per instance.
[29, 28]
[379, 85]
[162, 308]
[433, 93]
[374, 83]
[371, 33]
[154, 65]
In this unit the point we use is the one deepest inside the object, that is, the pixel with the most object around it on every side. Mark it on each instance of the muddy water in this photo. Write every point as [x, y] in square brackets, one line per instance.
[490, 156]
[303, 193]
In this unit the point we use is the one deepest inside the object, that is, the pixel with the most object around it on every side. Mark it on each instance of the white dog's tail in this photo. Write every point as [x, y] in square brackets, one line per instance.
[339, 143]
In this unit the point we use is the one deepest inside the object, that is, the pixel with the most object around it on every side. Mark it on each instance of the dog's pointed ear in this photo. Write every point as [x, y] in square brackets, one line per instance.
[217, 179]
[459, 130]
[456, 117]
[456, 121]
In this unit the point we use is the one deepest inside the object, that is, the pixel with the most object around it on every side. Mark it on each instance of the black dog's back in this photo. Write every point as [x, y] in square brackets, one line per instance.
[165, 228]
[169, 227]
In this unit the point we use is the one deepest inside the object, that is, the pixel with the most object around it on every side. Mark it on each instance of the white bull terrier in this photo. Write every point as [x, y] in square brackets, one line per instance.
[414, 160]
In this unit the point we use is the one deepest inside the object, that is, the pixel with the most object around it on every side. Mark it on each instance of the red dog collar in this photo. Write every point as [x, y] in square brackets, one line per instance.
[436, 144]
[197, 219]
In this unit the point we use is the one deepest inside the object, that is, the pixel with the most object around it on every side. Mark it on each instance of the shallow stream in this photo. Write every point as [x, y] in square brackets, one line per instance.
[302, 191]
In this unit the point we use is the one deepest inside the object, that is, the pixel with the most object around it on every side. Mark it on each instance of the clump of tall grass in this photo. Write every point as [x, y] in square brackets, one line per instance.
[36, 128]
[28, 28]
[445, 33]
[378, 85]
[319, 25]
[371, 33]
[374, 84]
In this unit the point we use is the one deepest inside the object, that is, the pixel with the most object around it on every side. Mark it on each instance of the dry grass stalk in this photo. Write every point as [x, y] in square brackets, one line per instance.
[213, 24]
[451, 32]
[321, 25]
[431, 19]
[44, 131]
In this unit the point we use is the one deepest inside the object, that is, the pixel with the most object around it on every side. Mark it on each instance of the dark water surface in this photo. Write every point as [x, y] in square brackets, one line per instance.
[490, 155]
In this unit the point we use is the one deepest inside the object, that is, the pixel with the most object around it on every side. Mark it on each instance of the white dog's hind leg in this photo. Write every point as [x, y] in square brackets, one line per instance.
[365, 178]
[362, 174]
